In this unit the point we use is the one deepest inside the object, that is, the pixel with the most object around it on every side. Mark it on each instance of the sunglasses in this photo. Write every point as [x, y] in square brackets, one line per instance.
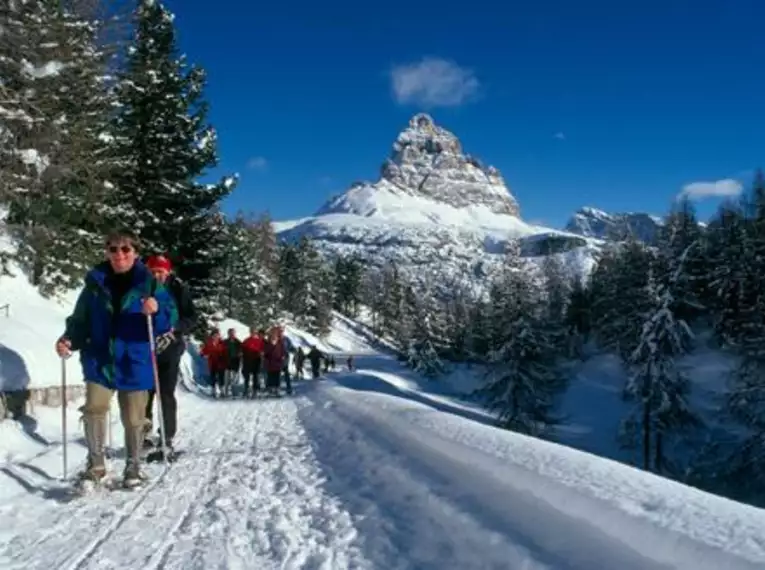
[122, 248]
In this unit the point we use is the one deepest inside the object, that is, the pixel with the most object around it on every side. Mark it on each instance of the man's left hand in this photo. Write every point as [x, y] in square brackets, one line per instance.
[150, 306]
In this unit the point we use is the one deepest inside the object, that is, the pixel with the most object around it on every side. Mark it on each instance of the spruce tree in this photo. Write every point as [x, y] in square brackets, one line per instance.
[524, 378]
[164, 145]
[247, 282]
[393, 297]
[681, 235]
[620, 296]
[316, 290]
[428, 337]
[578, 317]
[746, 400]
[54, 164]
[348, 273]
[728, 274]
[657, 384]
[266, 299]
[557, 294]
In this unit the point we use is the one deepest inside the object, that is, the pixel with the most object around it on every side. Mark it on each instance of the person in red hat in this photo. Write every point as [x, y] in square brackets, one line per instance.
[170, 349]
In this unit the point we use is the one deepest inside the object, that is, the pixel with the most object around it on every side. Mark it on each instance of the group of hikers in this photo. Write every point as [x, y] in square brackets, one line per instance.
[129, 324]
[260, 354]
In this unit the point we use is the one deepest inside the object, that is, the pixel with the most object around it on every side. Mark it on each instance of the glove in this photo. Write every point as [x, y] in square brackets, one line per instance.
[164, 340]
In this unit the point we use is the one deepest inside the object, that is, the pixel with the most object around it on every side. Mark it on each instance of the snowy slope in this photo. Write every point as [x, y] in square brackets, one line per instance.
[29, 327]
[435, 210]
[357, 472]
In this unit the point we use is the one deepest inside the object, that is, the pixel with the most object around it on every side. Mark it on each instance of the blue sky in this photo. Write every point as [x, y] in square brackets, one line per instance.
[618, 105]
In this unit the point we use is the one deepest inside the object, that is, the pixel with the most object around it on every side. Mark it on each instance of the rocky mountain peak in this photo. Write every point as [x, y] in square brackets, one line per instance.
[427, 160]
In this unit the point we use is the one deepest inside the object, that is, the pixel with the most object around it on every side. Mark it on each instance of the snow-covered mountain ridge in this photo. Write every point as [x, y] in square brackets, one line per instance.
[435, 210]
[594, 223]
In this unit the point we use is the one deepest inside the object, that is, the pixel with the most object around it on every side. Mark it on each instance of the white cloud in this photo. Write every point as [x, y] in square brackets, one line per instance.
[257, 163]
[433, 82]
[559, 136]
[719, 188]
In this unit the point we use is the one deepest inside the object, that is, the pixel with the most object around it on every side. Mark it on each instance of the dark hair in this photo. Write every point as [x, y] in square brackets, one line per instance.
[123, 235]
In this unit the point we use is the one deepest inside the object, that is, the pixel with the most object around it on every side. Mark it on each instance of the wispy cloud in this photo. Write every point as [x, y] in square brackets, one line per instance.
[257, 163]
[559, 136]
[727, 187]
[433, 82]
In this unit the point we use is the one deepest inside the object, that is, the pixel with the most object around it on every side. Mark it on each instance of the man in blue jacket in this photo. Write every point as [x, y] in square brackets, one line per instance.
[109, 328]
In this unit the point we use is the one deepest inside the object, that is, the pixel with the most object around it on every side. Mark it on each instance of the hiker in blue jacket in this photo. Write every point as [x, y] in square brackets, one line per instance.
[109, 327]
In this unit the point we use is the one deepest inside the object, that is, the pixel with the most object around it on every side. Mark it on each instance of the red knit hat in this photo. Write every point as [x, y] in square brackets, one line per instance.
[159, 262]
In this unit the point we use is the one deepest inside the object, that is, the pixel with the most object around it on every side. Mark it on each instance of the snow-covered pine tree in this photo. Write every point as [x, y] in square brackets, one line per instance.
[480, 330]
[290, 279]
[207, 291]
[457, 314]
[316, 287]
[680, 231]
[266, 299]
[727, 254]
[372, 294]
[164, 144]
[54, 165]
[247, 284]
[656, 383]
[428, 341]
[745, 466]
[348, 273]
[557, 293]
[524, 377]
[578, 317]
[752, 318]
[393, 295]
[618, 289]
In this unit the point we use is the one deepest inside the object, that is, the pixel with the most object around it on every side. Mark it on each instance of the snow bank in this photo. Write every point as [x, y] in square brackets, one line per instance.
[579, 510]
[28, 333]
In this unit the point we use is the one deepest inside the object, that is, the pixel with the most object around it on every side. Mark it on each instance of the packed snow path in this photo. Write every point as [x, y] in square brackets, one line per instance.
[349, 473]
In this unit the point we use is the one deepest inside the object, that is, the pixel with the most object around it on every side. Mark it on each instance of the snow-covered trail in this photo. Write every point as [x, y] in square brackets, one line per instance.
[350, 473]
[247, 494]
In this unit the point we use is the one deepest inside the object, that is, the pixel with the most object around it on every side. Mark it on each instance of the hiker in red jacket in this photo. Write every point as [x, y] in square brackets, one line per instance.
[215, 352]
[275, 357]
[252, 353]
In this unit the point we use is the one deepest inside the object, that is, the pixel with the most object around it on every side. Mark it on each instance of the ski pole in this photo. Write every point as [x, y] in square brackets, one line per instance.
[157, 391]
[63, 413]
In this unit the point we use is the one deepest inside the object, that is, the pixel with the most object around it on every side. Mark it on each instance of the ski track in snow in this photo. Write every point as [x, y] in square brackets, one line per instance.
[245, 494]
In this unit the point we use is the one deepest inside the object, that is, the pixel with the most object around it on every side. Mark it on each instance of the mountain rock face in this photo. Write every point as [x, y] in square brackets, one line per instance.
[435, 211]
[427, 160]
[594, 223]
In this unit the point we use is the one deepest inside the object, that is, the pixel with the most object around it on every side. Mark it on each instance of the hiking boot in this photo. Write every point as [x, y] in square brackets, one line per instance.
[133, 476]
[92, 473]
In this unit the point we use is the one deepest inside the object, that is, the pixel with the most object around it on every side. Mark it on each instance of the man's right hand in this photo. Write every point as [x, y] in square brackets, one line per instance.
[64, 347]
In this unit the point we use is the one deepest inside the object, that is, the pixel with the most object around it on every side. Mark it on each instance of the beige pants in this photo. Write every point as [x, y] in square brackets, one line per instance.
[132, 404]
